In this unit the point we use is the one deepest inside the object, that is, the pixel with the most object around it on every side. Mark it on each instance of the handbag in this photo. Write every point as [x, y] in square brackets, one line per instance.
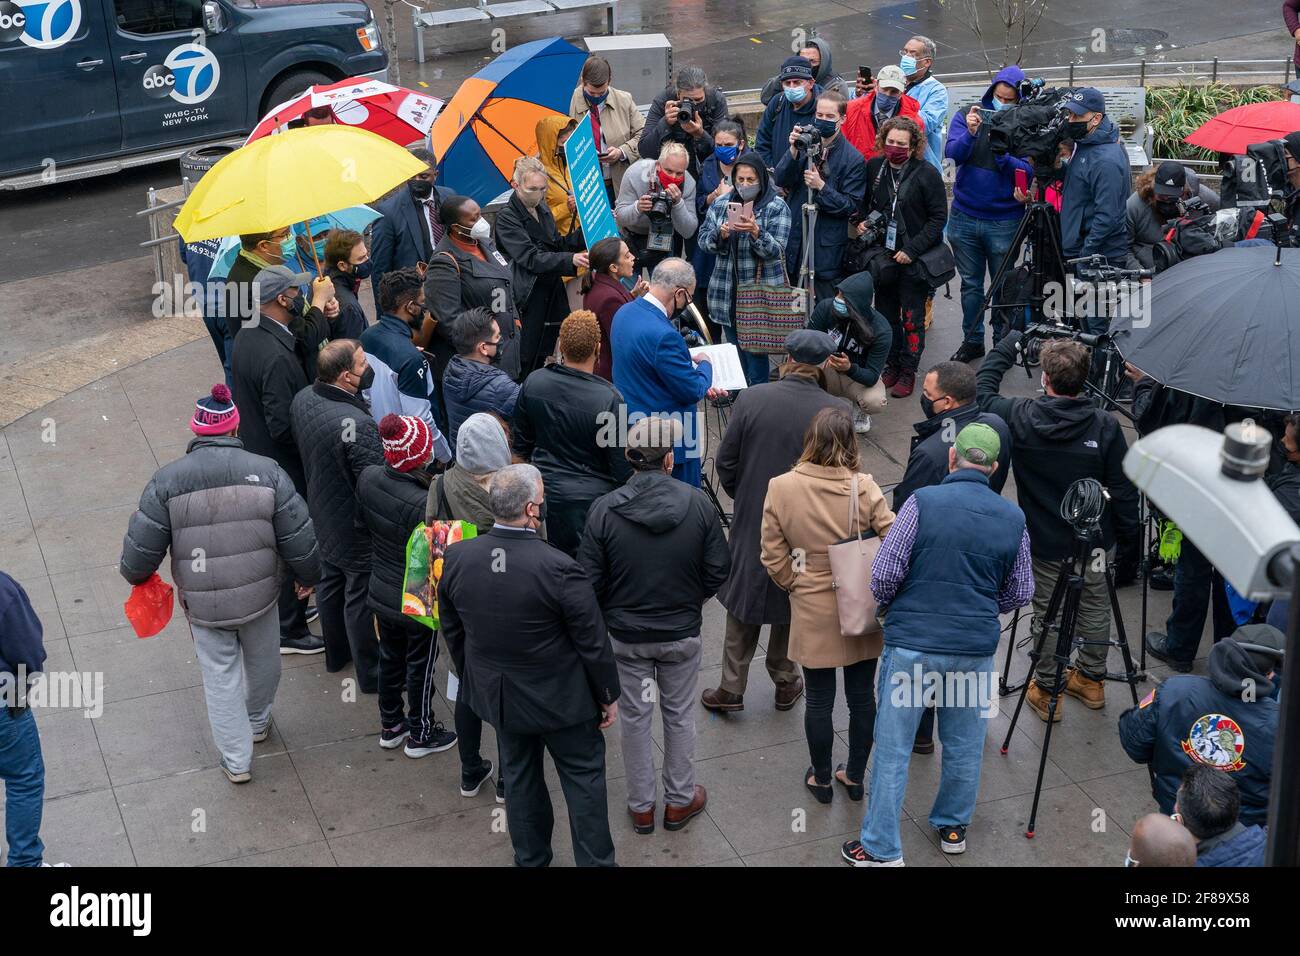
[851, 561]
[765, 314]
[425, 550]
[936, 266]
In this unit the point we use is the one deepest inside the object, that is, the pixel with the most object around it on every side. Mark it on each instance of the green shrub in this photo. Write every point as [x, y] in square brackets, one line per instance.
[1175, 112]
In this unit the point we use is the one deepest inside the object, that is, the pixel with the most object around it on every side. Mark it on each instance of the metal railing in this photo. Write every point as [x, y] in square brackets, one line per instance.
[1274, 71]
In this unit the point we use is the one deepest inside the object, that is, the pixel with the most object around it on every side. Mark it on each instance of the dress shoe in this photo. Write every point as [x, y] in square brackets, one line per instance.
[1038, 699]
[643, 822]
[905, 384]
[677, 817]
[969, 351]
[1158, 647]
[1081, 687]
[722, 701]
[788, 693]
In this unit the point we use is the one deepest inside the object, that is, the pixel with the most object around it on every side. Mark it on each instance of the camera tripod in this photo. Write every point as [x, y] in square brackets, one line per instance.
[807, 254]
[1082, 507]
[1039, 235]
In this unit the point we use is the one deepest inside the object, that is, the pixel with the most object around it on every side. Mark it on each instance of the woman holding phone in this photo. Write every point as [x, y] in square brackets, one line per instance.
[746, 229]
[715, 181]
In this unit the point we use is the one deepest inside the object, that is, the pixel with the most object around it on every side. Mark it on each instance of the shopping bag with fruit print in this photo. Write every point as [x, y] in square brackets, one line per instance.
[424, 555]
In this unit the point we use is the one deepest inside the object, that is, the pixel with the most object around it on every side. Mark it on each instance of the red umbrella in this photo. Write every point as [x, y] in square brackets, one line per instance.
[393, 112]
[1243, 126]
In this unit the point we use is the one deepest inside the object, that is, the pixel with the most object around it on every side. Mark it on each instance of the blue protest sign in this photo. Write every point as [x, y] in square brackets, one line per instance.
[589, 194]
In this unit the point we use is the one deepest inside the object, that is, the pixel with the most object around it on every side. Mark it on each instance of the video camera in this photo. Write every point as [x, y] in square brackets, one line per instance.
[809, 141]
[1258, 178]
[1036, 336]
[1194, 233]
[1034, 127]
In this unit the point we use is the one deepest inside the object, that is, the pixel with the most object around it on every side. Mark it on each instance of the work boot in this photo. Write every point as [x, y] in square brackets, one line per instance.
[722, 701]
[1038, 700]
[1158, 647]
[889, 376]
[789, 692]
[1087, 689]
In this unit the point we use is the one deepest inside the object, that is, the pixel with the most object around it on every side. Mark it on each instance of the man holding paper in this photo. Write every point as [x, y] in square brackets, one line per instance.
[652, 366]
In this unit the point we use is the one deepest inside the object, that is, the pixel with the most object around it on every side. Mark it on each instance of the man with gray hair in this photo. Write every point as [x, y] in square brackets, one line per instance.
[538, 667]
[650, 233]
[956, 557]
[653, 368]
[916, 60]
[409, 226]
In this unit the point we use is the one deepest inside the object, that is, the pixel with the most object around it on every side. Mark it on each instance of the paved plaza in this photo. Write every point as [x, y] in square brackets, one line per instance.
[139, 782]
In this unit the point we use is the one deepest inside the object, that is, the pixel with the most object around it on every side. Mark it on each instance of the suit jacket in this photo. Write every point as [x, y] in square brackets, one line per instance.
[528, 641]
[398, 239]
[267, 368]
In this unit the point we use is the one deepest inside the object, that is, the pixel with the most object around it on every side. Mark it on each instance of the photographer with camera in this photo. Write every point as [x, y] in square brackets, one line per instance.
[909, 195]
[821, 167]
[1096, 186]
[985, 211]
[685, 113]
[1057, 439]
[656, 206]
[797, 106]
[1162, 194]
[863, 339]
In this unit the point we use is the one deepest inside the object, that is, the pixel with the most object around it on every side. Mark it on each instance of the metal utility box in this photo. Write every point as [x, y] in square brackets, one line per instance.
[642, 63]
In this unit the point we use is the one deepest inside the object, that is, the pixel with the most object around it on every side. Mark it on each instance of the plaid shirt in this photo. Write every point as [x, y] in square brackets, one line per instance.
[890, 567]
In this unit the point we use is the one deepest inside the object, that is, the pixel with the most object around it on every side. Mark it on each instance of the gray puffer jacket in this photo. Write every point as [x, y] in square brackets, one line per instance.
[232, 520]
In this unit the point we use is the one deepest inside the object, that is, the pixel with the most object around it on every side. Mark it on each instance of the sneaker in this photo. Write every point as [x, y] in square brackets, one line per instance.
[232, 776]
[952, 839]
[1038, 700]
[906, 382]
[307, 644]
[55, 865]
[1087, 689]
[1158, 647]
[923, 745]
[1162, 578]
[439, 739]
[472, 783]
[260, 735]
[392, 737]
[968, 352]
[861, 423]
[889, 376]
[501, 790]
[854, 854]
[312, 614]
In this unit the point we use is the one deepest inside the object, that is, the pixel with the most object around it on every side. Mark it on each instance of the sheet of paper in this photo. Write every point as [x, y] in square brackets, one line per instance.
[725, 360]
[453, 684]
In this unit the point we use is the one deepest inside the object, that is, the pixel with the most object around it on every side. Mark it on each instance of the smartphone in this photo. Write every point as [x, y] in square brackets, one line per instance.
[733, 213]
[1022, 181]
[864, 74]
[985, 114]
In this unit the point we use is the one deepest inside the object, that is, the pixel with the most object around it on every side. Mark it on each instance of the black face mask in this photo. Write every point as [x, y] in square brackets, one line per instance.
[927, 407]
[1076, 130]
[541, 512]
[495, 357]
[414, 322]
[1167, 207]
[367, 379]
[420, 188]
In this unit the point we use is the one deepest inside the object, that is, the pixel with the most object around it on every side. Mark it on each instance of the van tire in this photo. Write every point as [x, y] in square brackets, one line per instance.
[290, 85]
[199, 160]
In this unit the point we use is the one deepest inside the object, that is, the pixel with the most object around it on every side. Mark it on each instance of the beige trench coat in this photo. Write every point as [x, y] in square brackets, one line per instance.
[808, 509]
[620, 125]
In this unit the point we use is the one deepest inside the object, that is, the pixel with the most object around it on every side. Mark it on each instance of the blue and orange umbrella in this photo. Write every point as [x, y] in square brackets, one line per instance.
[492, 119]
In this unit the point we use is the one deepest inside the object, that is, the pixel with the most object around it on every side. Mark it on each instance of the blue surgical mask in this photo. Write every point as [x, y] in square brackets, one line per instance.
[594, 100]
[999, 106]
[795, 94]
[885, 102]
[726, 154]
[826, 128]
[908, 65]
[840, 306]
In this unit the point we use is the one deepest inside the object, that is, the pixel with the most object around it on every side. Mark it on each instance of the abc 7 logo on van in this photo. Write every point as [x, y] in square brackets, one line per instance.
[189, 75]
[44, 26]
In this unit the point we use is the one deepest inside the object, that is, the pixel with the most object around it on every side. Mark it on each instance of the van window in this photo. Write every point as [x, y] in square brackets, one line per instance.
[147, 17]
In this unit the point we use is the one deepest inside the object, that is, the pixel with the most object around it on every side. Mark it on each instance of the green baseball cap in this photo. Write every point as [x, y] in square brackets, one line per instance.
[978, 444]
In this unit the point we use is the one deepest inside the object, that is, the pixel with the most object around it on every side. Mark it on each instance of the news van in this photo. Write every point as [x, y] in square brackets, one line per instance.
[94, 86]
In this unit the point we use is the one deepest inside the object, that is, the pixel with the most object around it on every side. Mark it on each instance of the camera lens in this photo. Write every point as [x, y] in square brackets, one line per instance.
[1245, 451]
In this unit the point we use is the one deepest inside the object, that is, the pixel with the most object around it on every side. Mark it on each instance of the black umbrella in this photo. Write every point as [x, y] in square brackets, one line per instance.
[1225, 327]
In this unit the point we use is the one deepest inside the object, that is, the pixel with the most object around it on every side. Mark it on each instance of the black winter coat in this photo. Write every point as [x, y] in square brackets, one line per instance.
[351, 320]
[539, 256]
[267, 368]
[1055, 441]
[763, 440]
[927, 462]
[311, 330]
[529, 642]
[560, 416]
[392, 504]
[922, 209]
[655, 552]
[657, 130]
[458, 280]
[337, 439]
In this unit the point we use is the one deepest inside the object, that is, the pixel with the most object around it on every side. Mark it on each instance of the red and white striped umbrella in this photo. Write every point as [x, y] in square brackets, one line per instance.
[393, 112]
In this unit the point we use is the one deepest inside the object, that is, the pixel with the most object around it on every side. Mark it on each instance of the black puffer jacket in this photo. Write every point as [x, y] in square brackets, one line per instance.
[337, 439]
[236, 510]
[655, 552]
[392, 504]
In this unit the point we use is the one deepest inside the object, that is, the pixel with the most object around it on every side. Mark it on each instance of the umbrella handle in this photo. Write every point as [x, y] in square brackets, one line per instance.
[312, 243]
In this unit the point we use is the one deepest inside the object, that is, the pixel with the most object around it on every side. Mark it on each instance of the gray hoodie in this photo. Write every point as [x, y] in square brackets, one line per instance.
[825, 77]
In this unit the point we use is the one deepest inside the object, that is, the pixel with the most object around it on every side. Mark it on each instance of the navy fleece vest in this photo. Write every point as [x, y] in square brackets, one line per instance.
[967, 537]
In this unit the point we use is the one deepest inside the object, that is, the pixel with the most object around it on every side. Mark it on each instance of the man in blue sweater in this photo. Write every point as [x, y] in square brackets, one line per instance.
[22, 655]
[654, 370]
[956, 557]
[985, 211]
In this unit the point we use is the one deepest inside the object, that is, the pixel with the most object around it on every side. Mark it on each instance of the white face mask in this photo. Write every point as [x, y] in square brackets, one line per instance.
[482, 230]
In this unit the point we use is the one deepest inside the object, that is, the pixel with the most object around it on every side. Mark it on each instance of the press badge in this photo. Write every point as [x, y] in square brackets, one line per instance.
[500, 258]
[891, 235]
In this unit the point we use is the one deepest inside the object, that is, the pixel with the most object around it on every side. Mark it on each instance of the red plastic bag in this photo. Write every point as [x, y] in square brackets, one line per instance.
[149, 607]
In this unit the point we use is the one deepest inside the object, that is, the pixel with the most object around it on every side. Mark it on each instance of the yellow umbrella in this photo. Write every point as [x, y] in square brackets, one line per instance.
[292, 177]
